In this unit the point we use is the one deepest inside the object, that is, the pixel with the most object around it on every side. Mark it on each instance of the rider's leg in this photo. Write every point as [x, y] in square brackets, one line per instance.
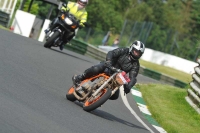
[94, 70]
[67, 39]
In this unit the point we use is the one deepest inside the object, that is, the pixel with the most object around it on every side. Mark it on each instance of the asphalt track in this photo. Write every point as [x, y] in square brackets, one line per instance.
[33, 85]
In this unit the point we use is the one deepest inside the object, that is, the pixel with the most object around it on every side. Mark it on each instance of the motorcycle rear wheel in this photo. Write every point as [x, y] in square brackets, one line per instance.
[70, 96]
[93, 103]
[50, 41]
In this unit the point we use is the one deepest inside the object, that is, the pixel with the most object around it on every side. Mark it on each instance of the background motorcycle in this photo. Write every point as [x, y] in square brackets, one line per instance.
[95, 91]
[64, 25]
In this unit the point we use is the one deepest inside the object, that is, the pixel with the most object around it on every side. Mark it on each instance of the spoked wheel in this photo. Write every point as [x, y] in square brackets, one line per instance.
[101, 98]
[50, 41]
[70, 96]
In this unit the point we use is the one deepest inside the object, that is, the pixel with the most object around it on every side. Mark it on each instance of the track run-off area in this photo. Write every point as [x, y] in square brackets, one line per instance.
[33, 85]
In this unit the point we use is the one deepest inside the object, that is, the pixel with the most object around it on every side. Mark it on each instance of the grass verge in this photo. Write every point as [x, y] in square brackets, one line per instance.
[169, 108]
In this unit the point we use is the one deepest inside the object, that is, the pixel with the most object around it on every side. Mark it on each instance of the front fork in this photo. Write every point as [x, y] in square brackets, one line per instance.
[59, 40]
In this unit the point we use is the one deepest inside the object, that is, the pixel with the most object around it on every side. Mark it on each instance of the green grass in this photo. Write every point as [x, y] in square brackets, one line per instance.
[167, 104]
[182, 76]
[169, 108]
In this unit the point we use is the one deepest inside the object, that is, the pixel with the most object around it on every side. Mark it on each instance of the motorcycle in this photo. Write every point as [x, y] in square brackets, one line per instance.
[65, 24]
[95, 91]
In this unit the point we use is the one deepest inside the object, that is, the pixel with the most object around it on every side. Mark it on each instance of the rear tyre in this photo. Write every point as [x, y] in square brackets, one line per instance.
[50, 41]
[93, 103]
[70, 96]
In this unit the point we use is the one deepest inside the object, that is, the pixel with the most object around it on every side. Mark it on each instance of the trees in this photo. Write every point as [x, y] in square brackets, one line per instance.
[175, 23]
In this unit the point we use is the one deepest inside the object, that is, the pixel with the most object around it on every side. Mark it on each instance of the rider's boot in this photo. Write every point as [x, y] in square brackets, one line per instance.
[77, 79]
[47, 30]
[86, 74]
[61, 46]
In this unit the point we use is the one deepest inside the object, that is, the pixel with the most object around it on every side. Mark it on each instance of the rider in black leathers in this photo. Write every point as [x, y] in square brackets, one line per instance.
[126, 59]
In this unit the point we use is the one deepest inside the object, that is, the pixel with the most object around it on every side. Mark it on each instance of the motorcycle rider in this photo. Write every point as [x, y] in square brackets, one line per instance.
[78, 10]
[126, 59]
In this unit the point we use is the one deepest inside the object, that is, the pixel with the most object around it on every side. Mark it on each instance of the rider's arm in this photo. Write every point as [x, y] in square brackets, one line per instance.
[83, 19]
[63, 9]
[132, 75]
[66, 8]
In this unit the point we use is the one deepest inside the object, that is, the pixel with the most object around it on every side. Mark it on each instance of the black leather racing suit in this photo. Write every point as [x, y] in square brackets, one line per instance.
[120, 59]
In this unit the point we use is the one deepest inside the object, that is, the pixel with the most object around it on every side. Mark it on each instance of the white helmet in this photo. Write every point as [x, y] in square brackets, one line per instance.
[136, 50]
[83, 2]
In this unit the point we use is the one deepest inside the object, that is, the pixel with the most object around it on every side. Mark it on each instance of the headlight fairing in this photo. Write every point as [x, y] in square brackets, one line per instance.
[68, 21]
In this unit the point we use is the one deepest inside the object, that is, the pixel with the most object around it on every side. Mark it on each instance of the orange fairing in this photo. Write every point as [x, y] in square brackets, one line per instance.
[63, 16]
[73, 26]
[102, 74]
[71, 90]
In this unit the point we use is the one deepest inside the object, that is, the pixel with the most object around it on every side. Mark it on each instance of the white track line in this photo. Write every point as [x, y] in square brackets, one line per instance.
[124, 99]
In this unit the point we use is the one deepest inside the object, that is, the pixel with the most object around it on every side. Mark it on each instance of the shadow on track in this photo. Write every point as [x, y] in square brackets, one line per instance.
[109, 117]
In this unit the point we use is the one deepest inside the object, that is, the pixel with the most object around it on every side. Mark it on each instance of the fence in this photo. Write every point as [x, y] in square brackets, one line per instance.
[193, 97]
[130, 31]
[89, 50]
[4, 18]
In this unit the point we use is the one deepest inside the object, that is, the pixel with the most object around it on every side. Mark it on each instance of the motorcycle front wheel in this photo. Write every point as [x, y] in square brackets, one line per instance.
[70, 96]
[51, 39]
[93, 103]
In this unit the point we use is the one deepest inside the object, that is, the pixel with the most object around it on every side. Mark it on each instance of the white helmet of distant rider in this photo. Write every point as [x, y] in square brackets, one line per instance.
[136, 50]
[82, 3]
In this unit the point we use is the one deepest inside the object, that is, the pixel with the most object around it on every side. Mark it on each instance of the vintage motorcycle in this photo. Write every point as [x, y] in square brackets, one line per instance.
[65, 24]
[95, 91]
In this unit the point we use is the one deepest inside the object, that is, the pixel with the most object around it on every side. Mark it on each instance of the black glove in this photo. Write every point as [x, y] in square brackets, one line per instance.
[126, 89]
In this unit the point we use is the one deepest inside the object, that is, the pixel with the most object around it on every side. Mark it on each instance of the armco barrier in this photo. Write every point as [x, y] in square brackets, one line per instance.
[86, 49]
[89, 50]
[151, 73]
[162, 77]
[4, 19]
[193, 97]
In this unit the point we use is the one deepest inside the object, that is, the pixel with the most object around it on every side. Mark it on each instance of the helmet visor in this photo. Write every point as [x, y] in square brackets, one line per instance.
[136, 53]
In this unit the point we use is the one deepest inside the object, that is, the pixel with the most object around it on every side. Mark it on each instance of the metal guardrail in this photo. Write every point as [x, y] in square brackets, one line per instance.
[86, 49]
[4, 18]
[89, 50]
[193, 97]
[162, 77]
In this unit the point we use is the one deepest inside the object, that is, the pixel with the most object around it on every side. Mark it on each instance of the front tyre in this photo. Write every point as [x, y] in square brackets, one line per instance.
[51, 39]
[70, 96]
[93, 103]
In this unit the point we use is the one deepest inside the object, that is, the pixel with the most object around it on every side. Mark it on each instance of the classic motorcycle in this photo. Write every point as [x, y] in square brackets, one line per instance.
[95, 91]
[65, 24]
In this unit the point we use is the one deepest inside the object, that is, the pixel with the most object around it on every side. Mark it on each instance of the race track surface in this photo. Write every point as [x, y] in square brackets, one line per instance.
[33, 84]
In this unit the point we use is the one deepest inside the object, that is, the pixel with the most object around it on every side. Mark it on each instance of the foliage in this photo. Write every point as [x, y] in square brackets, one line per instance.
[175, 24]
[106, 15]
[34, 7]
